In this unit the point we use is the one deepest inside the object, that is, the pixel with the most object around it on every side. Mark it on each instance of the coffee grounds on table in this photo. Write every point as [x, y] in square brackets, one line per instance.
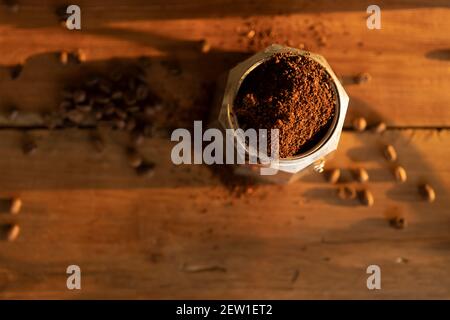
[291, 93]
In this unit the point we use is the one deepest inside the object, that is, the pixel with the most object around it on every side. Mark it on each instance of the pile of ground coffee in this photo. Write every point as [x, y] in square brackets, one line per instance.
[291, 93]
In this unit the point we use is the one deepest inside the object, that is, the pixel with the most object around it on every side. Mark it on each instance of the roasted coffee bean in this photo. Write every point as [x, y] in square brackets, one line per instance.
[131, 124]
[205, 47]
[84, 108]
[120, 124]
[98, 142]
[346, 193]
[129, 98]
[92, 81]
[116, 75]
[51, 120]
[333, 175]
[137, 139]
[101, 99]
[361, 175]
[363, 77]
[16, 71]
[400, 174]
[366, 198]
[141, 92]
[13, 114]
[64, 57]
[380, 127]
[146, 169]
[10, 232]
[79, 96]
[120, 113]
[15, 206]
[76, 116]
[117, 95]
[29, 146]
[398, 222]
[80, 56]
[134, 158]
[359, 124]
[389, 153]
[427, 192]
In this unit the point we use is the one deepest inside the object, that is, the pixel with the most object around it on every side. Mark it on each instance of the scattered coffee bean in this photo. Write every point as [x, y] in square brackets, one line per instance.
[29, 146]
[10, 232]
[15, 71]
[333, 175]
[16, 205]
[75, 116]
[346, 193]
[363, 77]
[12, 5]
[398, 222]
[79, 96]
[361, 175]
[380, 127]
[427, 192]
[64, 57]
[98, 142]
[134, 158]
[13, 114]
[359, 124]
[400, 174]
[366, 198]
[205, 46]
[80, 56]
[145, 169]
[251, 34]
[389, 153]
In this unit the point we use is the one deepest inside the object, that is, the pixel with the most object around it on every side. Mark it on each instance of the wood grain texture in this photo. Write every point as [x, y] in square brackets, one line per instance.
[143, 238]
[408, 58]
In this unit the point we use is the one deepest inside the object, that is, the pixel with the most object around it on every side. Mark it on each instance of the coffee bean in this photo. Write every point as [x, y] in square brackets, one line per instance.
[145, 169]
[366, 198]
[389, 153]
[85, 108]
[205, 47]
[119, 124]
[16, 205]
[131, 124]
[251, 34]
[363, 77]
[134, 158]
[79, 96]
[400, 174]
[427, 192]
[346, 193]
[98, 142]
[13, 114]
[117, 95]
[10, 232]
[15, 71]
[142, 92]
[64, 57]
[398, 222]
[80, 56]
[333, 175]
[29, 146]
[75, 116]
[51, 120]
[359, 124]
[137, 139]
[361, 175]
[380, 127]
[12, 5]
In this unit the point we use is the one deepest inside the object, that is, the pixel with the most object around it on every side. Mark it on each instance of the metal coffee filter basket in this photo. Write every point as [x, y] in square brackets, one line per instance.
[316, 155]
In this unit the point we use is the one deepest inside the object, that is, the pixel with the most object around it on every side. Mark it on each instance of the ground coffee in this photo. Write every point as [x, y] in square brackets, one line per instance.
[291, 93]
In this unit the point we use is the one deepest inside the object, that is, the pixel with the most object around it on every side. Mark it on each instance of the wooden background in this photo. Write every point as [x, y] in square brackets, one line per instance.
[181, 233]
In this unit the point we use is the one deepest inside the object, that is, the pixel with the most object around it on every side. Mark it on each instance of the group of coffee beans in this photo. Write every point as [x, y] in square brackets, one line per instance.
[361, 175]
[11, 231]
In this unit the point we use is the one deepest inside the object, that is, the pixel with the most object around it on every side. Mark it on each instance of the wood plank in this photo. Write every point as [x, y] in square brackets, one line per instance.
[138, 238]
[407, 58]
